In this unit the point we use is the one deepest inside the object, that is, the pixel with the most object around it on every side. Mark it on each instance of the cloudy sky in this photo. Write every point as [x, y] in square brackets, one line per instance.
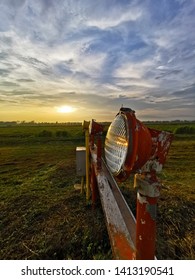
[70, 60]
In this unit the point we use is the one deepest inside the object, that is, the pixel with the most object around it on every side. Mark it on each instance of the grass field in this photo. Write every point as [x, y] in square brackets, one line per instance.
[43, 217]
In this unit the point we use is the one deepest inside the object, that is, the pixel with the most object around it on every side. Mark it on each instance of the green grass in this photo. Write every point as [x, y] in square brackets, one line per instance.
[177, 202]
[170, 126]
[43, 217]
[176, 206]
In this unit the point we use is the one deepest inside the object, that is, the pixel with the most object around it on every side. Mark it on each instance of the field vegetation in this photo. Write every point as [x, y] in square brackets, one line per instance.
[42, 216]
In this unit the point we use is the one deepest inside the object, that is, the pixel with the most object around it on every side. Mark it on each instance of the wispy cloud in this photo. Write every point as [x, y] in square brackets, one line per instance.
[99, 55]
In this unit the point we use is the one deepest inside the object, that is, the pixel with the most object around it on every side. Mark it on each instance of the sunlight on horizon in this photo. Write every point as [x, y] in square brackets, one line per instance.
[65, 109]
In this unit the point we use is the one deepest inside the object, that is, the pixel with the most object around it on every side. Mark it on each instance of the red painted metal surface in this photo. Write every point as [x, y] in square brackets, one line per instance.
[161, 142]
[148, 190]
[146, 148]
[145, 227]
[140, 144]
[130, 239]
[119, 218]
[96, 128]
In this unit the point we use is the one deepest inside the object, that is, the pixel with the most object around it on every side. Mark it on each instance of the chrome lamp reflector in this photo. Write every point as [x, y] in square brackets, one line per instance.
[116, 144]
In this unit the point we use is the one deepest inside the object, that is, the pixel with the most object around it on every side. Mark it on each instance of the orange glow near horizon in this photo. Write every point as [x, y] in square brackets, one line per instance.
[59, 113]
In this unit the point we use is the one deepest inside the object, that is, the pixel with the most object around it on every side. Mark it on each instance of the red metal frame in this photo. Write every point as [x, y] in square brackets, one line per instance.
[139, 144]
[130, 239]
[146, 227]
[147, 147]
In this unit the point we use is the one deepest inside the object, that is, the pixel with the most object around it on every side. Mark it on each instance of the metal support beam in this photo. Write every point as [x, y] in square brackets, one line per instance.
[119, 218]
[148, 190]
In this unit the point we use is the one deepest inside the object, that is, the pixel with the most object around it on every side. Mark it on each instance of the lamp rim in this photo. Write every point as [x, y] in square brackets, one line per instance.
[132, 138]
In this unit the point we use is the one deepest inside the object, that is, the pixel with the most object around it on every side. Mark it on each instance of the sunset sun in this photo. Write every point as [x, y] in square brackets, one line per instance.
[65, 109]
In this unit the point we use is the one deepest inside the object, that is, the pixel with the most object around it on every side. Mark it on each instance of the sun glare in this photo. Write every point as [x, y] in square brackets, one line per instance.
[65, 109]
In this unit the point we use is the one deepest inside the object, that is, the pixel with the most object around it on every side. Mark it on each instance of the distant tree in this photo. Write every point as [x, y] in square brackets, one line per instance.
[187, 129]
[45, 133]
[61, 133]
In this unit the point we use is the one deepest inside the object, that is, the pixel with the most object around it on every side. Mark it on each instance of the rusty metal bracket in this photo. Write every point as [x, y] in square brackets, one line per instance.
[146, 185]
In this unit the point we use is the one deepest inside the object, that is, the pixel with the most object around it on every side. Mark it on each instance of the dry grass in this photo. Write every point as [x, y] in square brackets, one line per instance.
[43, 217]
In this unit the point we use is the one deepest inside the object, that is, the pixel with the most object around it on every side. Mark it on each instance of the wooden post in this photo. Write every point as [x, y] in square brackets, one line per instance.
[82, 184]
[86, 129]
[87, 164]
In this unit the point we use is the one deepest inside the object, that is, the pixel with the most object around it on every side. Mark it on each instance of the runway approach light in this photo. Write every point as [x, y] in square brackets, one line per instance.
[130, 146]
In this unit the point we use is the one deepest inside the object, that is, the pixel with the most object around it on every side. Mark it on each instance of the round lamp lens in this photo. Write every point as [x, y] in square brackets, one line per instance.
[116, 144]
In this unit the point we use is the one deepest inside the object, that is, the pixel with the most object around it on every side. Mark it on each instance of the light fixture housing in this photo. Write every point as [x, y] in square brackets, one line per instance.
[131, 147]
[95, 128]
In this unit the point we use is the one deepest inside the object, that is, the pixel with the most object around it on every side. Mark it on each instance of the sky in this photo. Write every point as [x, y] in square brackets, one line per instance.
[70, 60]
